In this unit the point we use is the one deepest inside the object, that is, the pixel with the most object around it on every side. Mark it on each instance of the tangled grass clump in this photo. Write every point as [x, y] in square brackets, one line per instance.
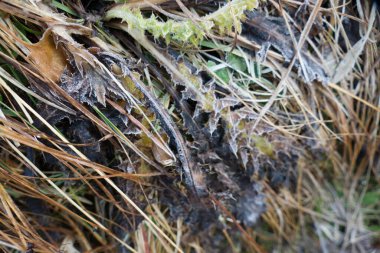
[189, 126]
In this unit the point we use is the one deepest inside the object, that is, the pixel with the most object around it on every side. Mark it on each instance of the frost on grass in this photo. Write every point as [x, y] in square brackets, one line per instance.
[92, 85]
[272, 32]
[247, 166]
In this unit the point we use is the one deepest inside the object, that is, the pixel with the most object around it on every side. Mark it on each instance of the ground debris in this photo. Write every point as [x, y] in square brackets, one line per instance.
[133, 126]
[269, 32]
[91, 85]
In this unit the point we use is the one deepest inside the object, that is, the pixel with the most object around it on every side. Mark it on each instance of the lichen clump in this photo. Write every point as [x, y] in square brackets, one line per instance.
[189, 30]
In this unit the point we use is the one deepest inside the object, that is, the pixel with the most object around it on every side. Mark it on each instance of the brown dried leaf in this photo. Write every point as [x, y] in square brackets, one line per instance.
[48, 58]
[161, 156]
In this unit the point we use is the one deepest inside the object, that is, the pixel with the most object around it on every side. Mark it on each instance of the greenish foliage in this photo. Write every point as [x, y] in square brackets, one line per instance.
[236, 62]
[371, 198]
[186, 30]
[221, 73]
[64, 8]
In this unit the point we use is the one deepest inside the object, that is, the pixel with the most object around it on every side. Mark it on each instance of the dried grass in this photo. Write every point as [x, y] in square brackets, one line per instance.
[79, 203]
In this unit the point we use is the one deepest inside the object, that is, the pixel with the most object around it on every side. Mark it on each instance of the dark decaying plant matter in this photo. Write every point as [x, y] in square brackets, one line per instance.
[189, 126]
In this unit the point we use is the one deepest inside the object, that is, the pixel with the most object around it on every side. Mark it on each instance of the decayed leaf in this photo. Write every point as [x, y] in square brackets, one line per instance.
[161, 156]
[49, 58]
[90, 84]
[251, 205]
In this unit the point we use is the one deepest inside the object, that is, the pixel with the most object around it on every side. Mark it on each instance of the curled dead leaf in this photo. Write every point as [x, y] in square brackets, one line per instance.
[162, 156]
[47, 57]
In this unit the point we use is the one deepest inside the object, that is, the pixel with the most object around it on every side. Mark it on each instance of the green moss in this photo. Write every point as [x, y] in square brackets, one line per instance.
[263, 145]
[188, 31]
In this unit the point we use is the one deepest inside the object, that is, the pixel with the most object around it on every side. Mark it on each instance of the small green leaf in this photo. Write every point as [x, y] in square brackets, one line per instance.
[374, 228]
[222, 73]
[64, 8]
[236, 62]
[371, 198]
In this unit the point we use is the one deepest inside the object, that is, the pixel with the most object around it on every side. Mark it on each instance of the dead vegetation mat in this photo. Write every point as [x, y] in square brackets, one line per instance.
[189, 126]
